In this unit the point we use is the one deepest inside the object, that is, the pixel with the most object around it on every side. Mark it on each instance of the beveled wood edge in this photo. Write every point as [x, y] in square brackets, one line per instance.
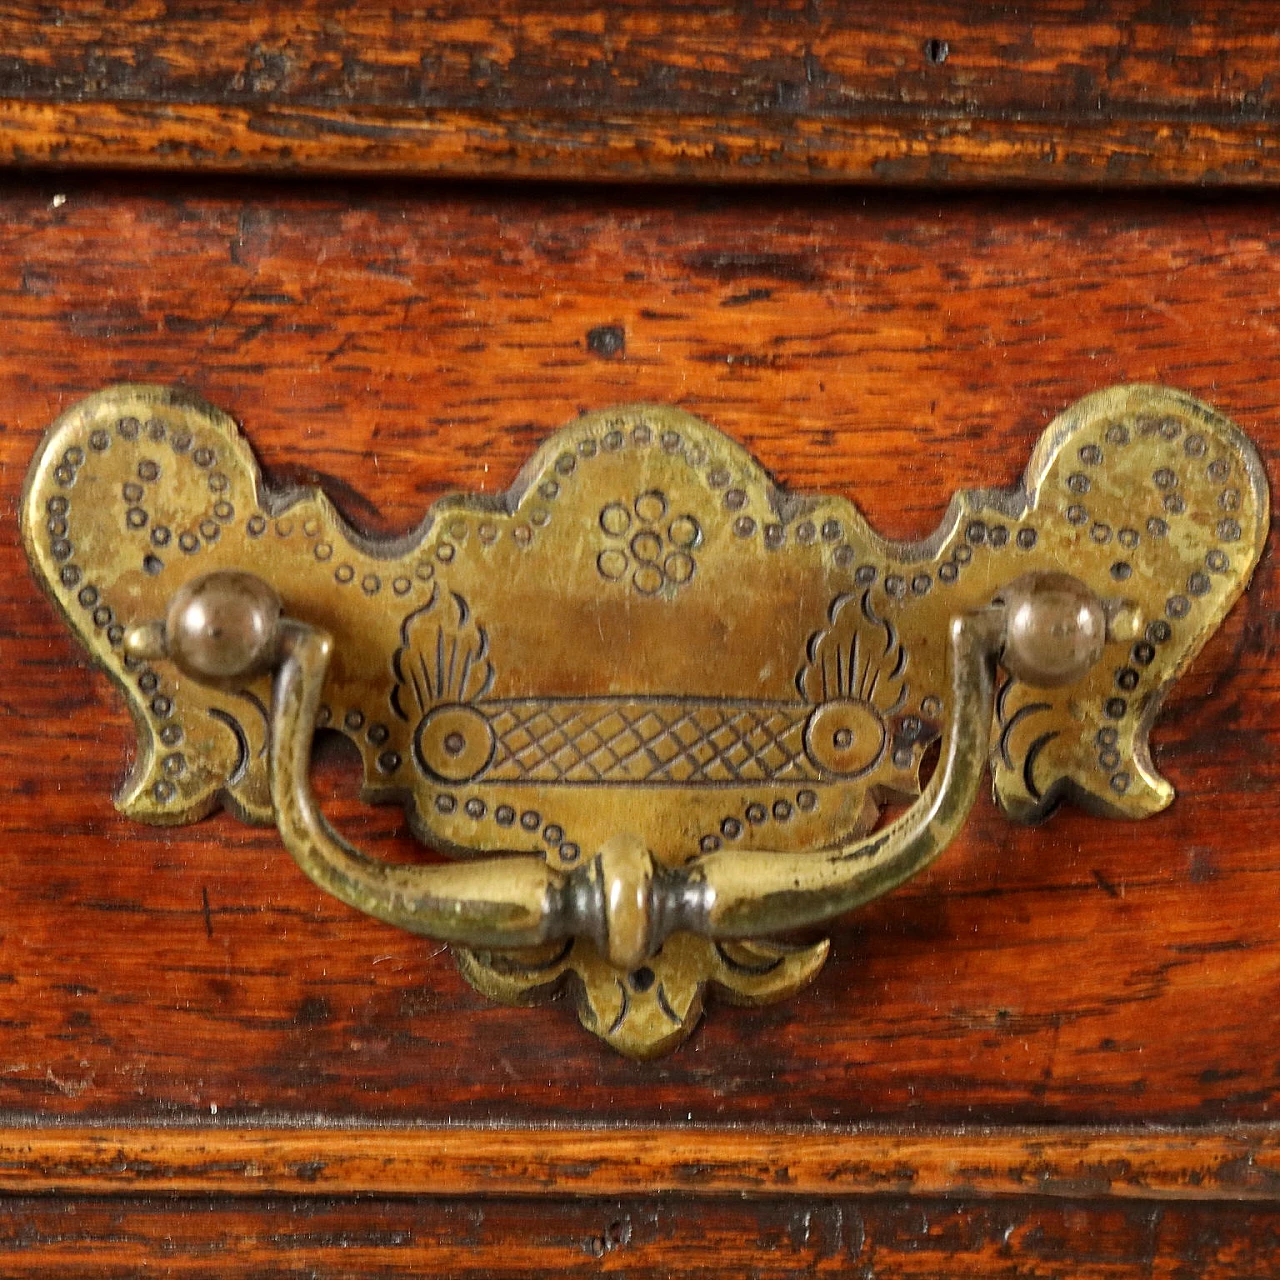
[1219, 1164]
[912, 150]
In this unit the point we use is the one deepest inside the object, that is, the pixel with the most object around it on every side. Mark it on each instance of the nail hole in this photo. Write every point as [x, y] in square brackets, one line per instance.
[641, 979]
[607, 340]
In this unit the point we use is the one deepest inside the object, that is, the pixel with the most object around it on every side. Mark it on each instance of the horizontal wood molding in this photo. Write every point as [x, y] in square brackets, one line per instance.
[642, 1237]
[284, 140]
[1225, 1164]
[1055, 91]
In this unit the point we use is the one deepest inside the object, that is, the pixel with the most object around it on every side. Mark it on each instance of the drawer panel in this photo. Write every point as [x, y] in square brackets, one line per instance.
[403, 341]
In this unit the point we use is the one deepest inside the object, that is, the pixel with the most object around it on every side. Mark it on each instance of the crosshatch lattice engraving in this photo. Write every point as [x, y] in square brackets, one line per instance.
[651, 742]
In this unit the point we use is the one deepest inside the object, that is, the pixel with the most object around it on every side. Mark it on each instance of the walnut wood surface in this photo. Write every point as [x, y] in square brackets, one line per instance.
[1118, 92]
[408, 341]
[1241, 1163]
[884, 1238]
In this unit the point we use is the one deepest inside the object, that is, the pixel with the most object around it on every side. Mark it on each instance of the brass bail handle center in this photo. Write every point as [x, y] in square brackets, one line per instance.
[1046, 629]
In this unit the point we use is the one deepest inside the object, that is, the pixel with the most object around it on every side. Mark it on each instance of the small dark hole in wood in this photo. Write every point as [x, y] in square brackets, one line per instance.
[617, 1234]
[936, 51]
[608, 340]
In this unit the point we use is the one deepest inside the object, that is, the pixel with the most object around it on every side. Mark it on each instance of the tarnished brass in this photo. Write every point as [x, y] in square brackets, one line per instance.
[661, 698]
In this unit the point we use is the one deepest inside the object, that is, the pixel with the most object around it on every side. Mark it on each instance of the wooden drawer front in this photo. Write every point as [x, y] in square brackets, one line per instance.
[401, 343]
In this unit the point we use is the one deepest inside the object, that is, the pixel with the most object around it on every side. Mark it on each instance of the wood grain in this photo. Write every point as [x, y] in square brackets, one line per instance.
[408, 341]
[1062, 91]
[272, 141]
[1241, 1163]
[330, 1239]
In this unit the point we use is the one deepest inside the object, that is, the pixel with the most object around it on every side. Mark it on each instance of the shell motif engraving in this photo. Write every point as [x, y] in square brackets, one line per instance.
[856, 675]
[441, 666]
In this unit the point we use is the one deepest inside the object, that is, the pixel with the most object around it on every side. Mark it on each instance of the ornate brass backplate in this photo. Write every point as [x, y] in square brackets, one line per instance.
[647, 634]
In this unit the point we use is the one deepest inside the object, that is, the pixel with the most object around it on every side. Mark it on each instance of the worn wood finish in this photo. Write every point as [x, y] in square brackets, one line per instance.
[381, 141]
[1105, 93]
[1131, 1164]
[890, 1239]
[892, 349]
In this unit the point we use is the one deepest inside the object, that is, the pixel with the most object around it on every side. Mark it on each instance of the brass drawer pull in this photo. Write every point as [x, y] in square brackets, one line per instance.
[667, 695]
[227, 627]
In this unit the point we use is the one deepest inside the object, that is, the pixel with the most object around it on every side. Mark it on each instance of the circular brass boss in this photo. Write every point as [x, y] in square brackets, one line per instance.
[223, 626]
[1055, 629]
